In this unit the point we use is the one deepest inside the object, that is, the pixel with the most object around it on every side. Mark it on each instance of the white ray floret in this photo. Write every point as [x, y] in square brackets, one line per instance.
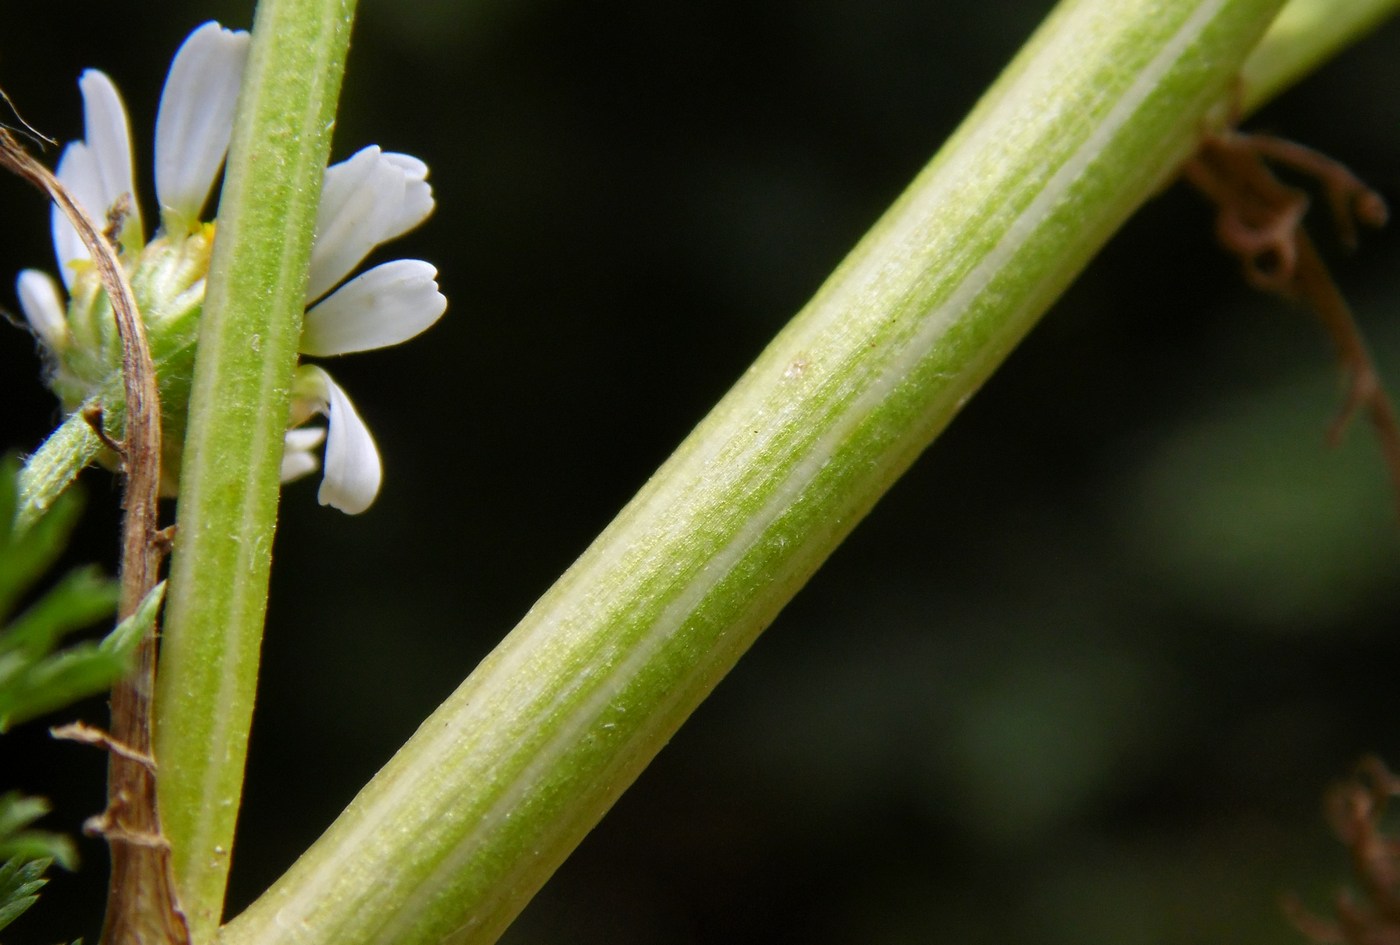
[42, 304]
[299, 455]
[387, 305]
[368, 199]
[96, 171]
[195, 120]
[353, 470]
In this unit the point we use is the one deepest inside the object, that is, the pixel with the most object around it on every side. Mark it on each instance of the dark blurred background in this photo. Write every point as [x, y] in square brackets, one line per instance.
[1081, 678]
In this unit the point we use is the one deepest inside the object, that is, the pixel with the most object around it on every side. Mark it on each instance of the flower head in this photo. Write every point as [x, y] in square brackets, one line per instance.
[366, 200]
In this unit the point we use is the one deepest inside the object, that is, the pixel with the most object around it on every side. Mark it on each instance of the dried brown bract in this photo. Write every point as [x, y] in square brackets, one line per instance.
[141, 904]
[1355, 809]
[1259, 219]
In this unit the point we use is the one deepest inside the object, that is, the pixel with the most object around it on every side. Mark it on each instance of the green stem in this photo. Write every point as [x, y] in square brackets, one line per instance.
[1306, 34]
[248, 341]
[457, 832]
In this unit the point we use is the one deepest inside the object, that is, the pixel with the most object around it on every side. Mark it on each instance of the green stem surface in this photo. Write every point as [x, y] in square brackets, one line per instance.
[1306, 34]
[458, 831]
[248, 340]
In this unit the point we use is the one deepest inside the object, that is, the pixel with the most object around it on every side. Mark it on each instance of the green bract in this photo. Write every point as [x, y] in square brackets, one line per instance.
[167, 278]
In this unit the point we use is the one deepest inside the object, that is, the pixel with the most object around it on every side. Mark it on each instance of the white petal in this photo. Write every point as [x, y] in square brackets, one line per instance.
[297, 465]
[96, 170]
[108, 135]
[368, 199]
[78, 173]
[384, 306]
[417, 202]
[305, 438]
[298, 456]
[196, 119]
[353, 470]
[43, 308]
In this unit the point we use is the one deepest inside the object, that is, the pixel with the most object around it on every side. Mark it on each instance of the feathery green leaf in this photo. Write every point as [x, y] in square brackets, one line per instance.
[20, 882]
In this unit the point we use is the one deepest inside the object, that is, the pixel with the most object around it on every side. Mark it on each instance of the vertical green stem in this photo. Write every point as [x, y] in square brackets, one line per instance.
[455, 834]
[237, 416]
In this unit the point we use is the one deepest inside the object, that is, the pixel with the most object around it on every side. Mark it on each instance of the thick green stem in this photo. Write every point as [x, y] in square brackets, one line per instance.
[237, 416]
[456, 833]
[1306, 34]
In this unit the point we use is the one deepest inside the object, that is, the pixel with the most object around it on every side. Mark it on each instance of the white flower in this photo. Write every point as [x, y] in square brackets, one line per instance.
[367, 200]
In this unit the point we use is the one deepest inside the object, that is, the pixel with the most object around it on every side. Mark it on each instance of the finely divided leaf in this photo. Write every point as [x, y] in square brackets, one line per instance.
[20, 882]
[19, 843]
[39, 675]
[36, 676]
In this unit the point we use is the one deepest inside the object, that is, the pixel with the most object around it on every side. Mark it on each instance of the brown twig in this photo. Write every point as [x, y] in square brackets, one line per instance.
[142, 908]
[1260, 220]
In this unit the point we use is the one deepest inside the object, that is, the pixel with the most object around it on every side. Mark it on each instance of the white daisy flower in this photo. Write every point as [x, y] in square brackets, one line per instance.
[367, 200]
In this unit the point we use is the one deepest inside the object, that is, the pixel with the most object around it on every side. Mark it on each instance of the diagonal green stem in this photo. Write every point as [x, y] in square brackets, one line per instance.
[237, 416]
[1306, 34]
[456, 833]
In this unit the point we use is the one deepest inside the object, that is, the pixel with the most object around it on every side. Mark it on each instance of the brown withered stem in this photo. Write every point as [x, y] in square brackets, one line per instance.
[1355, 809]
[141, 904]
[1260, 220]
